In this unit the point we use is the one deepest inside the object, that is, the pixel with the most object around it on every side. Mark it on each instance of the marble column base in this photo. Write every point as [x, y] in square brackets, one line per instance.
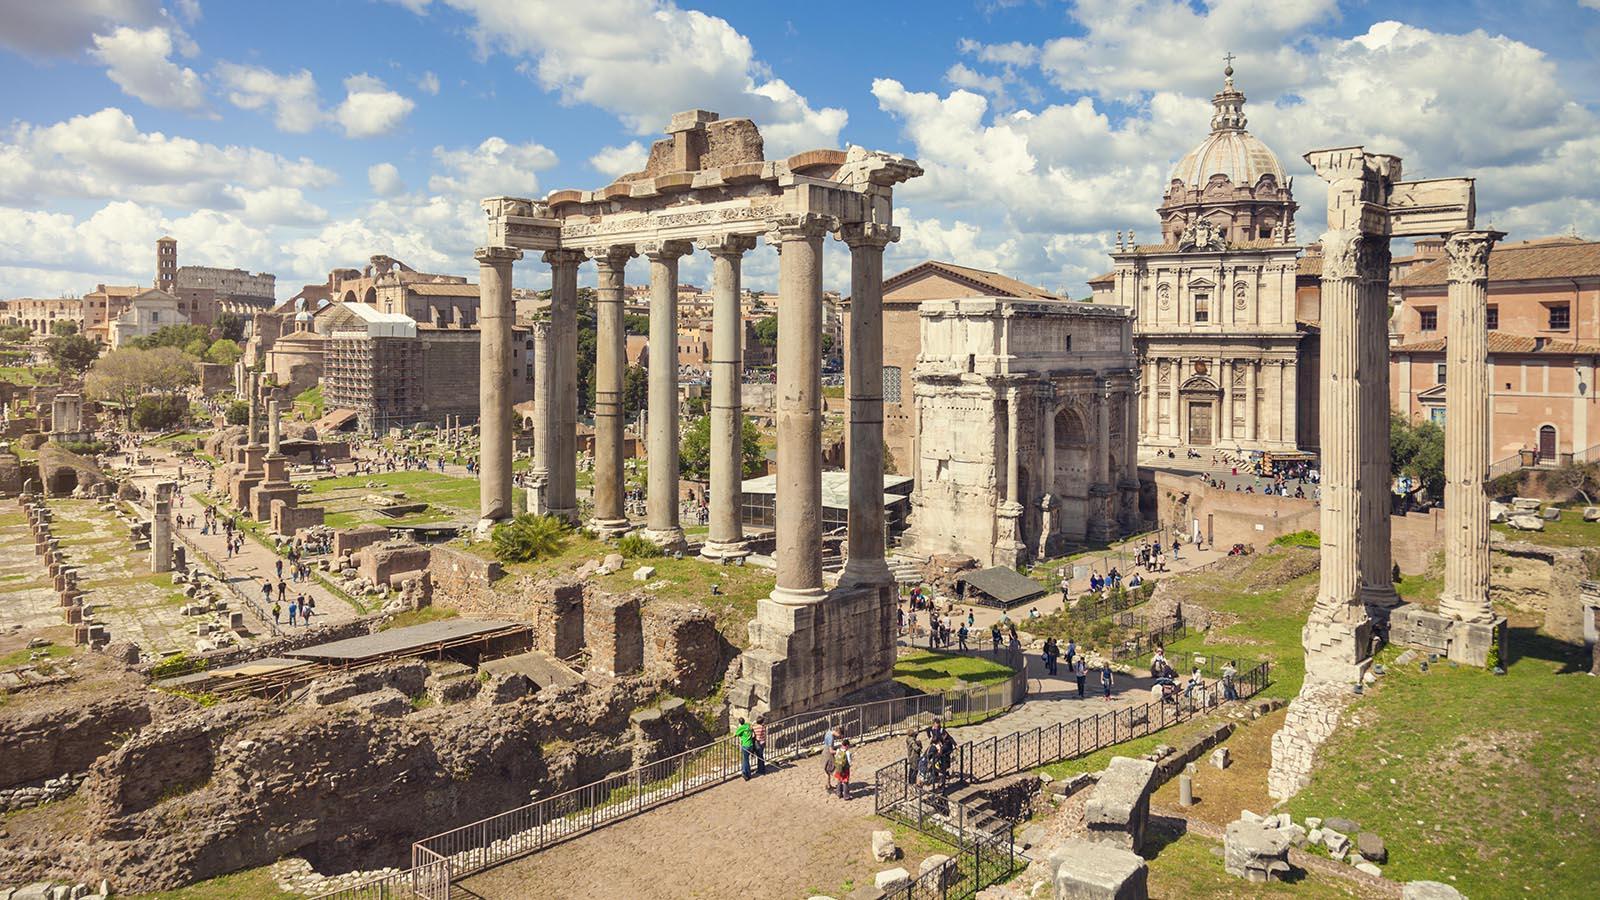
[608, 528]
[720, 550]
[1467, 643]
[668, 539]
[1337, 652]
[869, 571]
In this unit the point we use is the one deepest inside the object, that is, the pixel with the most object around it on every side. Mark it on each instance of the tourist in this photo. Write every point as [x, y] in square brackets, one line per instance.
[913, 757]
[971, 620]
[830, 738]
[746, 737]
[276, 611]
[994, 639]
[961, 637]
[1050, 652]
[282, 589]
[759, 732]
[841, 769]
[1080, 673]
[1105, 678]
[1072, 650]
[294, 610]
[280, 570]
[307, 607]
[1229, 672]
[1195, 689]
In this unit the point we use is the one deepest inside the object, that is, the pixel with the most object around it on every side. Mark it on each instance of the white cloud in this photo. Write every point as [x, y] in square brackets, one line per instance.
[188, 10]
[370, 109]
[644, 59]
[428, 83]
[277, 206]
[614, 162]
[43, 28]
[491, 169]
[293, 98]
[104, 155]
[140, 63]
[385, 179]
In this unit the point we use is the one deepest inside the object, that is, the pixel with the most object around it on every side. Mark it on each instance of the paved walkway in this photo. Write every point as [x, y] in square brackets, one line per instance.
[254, 562]
[775, 836]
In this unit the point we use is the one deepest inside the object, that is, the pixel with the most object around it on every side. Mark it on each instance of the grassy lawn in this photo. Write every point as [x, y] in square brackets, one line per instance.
[1571, 531]
[1190, 866]
[21, 657]
[932, 672]
[257, 884]
[449, 498]
[309, 402]
[419, 617]
[1487, 780]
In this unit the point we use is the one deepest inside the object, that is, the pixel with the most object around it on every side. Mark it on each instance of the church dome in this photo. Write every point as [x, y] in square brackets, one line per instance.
[1228, 150]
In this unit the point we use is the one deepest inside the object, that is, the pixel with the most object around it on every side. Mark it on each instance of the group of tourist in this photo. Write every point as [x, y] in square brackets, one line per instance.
[301, 608]
[752, 738]
[929, 762]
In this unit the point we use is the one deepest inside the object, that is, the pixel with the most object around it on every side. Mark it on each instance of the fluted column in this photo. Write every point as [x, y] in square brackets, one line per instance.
[610, 363]
[799, 410]
[866, 564]
[726, 539]
[544, 427]
[1334, 650]
[661, 521]
[1377, 555]
[1175, 377]
[1466, 420]
[1102, 493]
[274, 431]
[496, 315]
[1128, 482]
[1225, 421]
[563, 447]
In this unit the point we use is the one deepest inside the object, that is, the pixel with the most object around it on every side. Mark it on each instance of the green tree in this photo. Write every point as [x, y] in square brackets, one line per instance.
[196, 348]
[223, 351]
[230, 327]
[127, 373]
[159, 412]
[694, 456]
[529, 537]
[63, 328]
[636, 324]
[238, 412]
[72, 352]
[767, 331]
[1417, 449]
[586, 350]
[635, 389]
[16, 334]
[179, 336]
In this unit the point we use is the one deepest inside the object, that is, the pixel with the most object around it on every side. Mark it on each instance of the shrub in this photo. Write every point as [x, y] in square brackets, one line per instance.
[637, 546]
[529, 537]
[1506, 485]
[84, 448]
[238, 412]
[159, 412]
[1298, 539]
[177, 664]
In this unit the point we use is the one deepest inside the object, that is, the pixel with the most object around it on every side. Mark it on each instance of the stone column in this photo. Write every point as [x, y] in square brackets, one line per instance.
[1466, 452]
[1009, 547]
[161, 528]
[562, 459]
[1250, 401]
[253, 424]
[496, 315]
[866, 564]
[1102, 525]
[1174, 378]
[661, 525]
[1337, 635]
[1225, 420]
[273, 429]
[1128, 482]
[799, 410]
[1048, 524]
[726, 539]
[544, 414]
[1377, 555]
[1148, 415]
[610, 365]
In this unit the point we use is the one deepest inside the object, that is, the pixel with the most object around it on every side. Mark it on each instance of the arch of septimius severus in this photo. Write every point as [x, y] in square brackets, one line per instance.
[709, 185]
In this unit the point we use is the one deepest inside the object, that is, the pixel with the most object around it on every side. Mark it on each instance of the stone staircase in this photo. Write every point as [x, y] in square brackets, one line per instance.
[905, 569]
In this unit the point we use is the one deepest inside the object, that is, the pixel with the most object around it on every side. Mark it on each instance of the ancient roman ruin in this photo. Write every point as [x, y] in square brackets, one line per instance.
[709, 185]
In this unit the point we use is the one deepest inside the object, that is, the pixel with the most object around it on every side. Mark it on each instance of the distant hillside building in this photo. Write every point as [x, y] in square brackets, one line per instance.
[146, 313]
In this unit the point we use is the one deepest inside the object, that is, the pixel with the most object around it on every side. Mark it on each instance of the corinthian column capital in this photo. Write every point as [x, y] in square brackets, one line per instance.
[1349, 254]
[1469, 254]
[868, 234]
[798, 227]
[567, 257]
[494, 255]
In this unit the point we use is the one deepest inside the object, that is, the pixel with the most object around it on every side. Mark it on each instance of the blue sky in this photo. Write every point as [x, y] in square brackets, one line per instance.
[295, 137]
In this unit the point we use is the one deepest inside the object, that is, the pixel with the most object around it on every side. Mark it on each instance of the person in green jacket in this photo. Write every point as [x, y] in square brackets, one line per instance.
[746, 736]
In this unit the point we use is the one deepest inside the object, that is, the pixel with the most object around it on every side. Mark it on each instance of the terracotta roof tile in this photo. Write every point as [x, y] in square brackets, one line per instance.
[1500, 342]
[1526, 261]
[992, 282]
[1107, 278]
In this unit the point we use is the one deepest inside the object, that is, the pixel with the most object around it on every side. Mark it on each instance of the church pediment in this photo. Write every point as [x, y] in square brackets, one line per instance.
[1202, 284]
[1199, 384]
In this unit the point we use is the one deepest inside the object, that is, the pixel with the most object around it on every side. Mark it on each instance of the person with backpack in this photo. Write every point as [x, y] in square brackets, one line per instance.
[841, 769]
[830, 739]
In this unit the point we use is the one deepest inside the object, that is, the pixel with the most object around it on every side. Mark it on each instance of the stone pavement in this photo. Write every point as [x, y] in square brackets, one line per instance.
[245, 569]
[777, 836]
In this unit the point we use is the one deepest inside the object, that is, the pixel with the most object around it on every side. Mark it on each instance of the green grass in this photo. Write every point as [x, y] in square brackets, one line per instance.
[257, 884]
[309, 401]
[1487, 780]
[1298, 539]
[24, 375]
[419, 616]
[23, 656]
[932, 672]
[1571, 531]
[1190, 866]
[449, 498]
[1423, 588]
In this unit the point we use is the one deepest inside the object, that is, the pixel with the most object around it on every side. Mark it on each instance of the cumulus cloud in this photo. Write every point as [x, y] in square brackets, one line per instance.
[44, 28]
[370, 109]
[663, 59]
[428, 83]
[188, 10]
[385, 179]
[292, 97]
[493, 168]
[105, 155]
[614, 162]
[140, 62]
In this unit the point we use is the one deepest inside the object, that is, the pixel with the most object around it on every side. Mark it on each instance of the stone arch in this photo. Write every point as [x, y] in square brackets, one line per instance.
[349, 297]
[370, 297]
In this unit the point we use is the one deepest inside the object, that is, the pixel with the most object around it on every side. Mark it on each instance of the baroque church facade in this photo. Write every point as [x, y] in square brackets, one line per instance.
[1227, 347]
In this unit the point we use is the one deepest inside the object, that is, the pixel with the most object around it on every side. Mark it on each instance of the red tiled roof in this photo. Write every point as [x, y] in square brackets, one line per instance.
[1500, 342]
[1107, 278]
[1525, 261]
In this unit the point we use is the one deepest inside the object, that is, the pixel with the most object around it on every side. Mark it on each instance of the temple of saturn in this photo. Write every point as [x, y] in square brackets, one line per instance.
[1356, 604]
[708, 185]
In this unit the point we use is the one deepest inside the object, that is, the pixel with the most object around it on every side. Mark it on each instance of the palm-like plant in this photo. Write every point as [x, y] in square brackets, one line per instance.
[528, 537]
